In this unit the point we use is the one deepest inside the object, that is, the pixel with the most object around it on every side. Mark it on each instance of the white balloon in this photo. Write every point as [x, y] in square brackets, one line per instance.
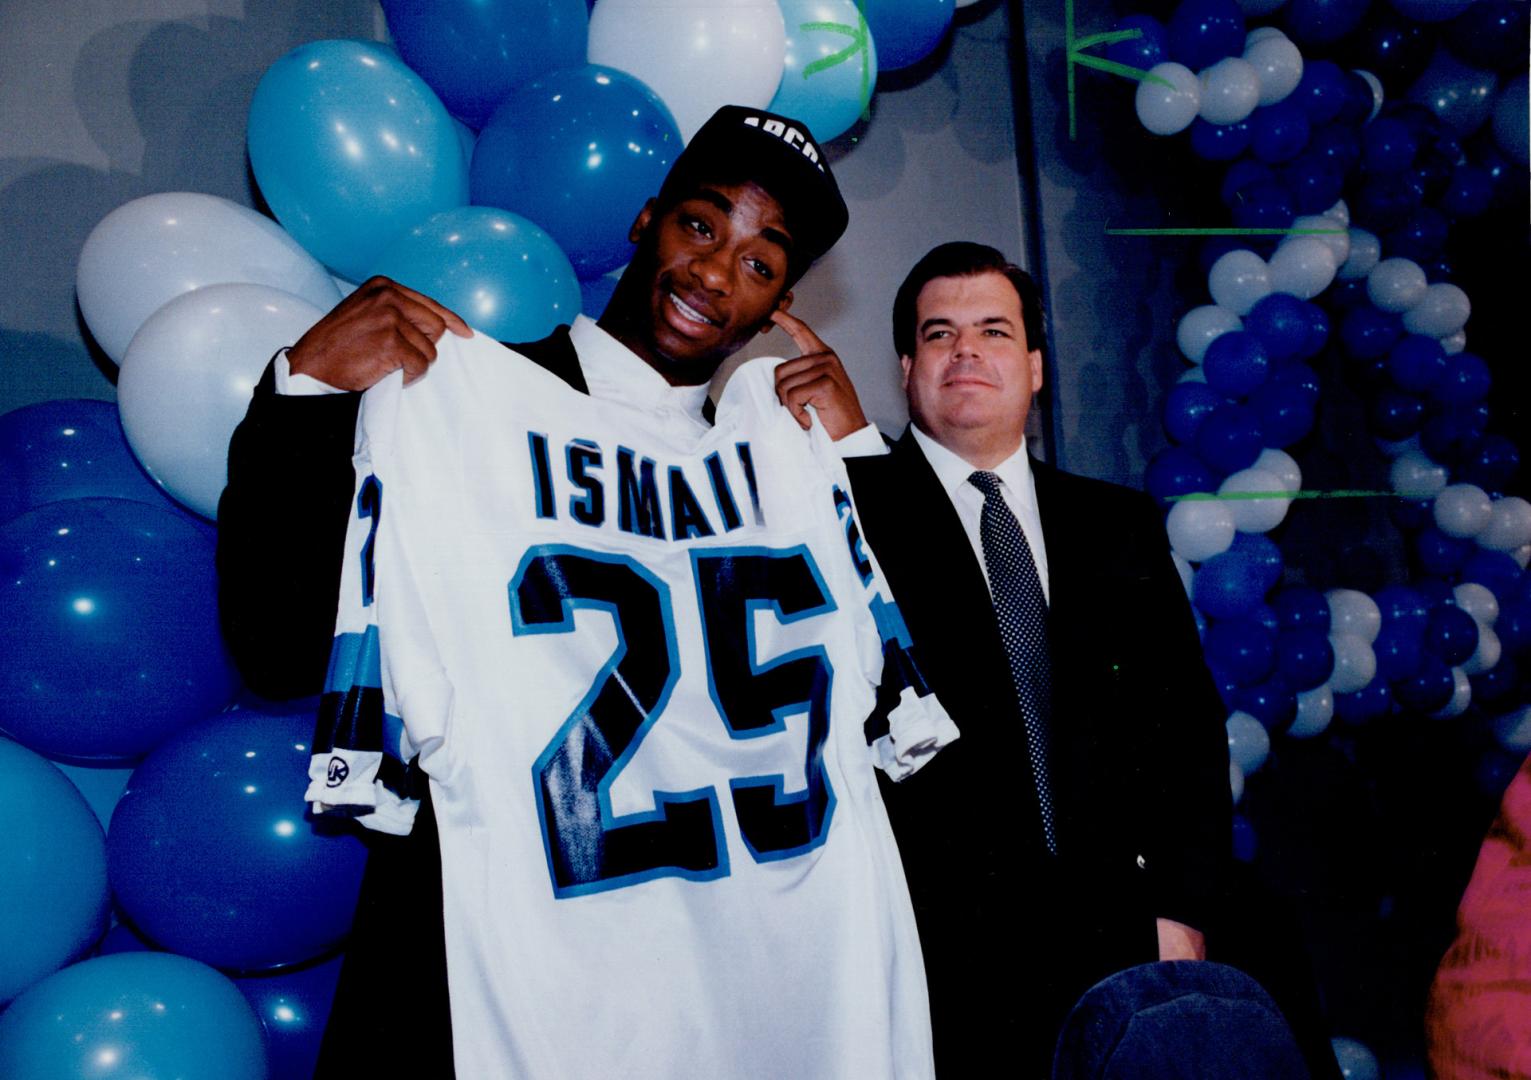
[1282, 466]
[1396, 284]
[1415, 476]
[1478, 601]
[1402, 446]
[1340, 211]
[188, 375]
[1522, 555]
[1239, 280]
[1441, 311]
[1352, 612]
[1513, 730]
[1365, 253]
[1356, 1062]
[1165, 110]
[1201, 326]
[159, 246]
[1461, 696]
[1192, 374]
[1235, 783]
[1261, 33]
[1334, 234]
[1378, 94]
[1454, 343]
[1200, 528]
[697, 55]
[1186, 571]
[1355, 663]
[1255, 515]
[1249, 744]
[1487, 654]
[1509, 525]
[1278, 63]
[1315, 708]
[1230, 90]
[1303, 266]
[1463, 510]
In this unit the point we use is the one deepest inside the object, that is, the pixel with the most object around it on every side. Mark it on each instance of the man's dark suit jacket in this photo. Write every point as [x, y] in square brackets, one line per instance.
[1012, 936]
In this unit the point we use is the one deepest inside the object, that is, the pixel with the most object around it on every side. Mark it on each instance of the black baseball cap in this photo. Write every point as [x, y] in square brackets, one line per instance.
[776, 152]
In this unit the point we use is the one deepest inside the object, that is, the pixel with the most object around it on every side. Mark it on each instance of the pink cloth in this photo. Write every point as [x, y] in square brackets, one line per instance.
[1478, 1020]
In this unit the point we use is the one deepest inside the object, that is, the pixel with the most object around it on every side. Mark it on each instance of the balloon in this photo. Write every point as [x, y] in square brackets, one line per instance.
[1371, 701]
[1235, 364]
[1168, 100]
[133, 1014]
[1453, 430]
[293, 1005]
[1219, 142]
[111, 631]
[1321, 22]
[1468, 192]
[1364, 96]
[1242, 177]
[1233, 583]
[1395, 49]
[52, 871]
[596, 293]
[1278, 132]
[1388, 145]
[1284, 416]
[1176, 470]
[1367, 332]
[1493, 462]
[1255, 515]
[1249, 744]
[213, 854]
[1281, 324]
[1477, 601]
[1417, 363]
[1430, 11]
[1302, 266]
[1460, 95]
[474, 52]
[1510, 113]
[1278, 65]
[699, 55]
[1352, 612]
[1301, 607]
[1385, 200]
[1305, 658]
[1199, 528]
[1488, 653]
[1230, 439]
[1396, 415]
[1186, 406]
[1338, 144]
[1281, 467]
[1439, 553]
[1509, 525]
[1495, 570]
[1315, 709]
[1238, 281]
[350, 148]
[1396, 284]
[1355, 664]
[1443, 310]
[1462, 510]
[1235, 782]
[1420, 237]
[1397, 650]
[1490, 34]
[501, 273]
[157, 247]
[829, 99]
[1430, 687]
[1150, 47]
[1330, 230]
[1451, 634]
[72, 449]
[1264, 206]
[1203, 32]
[906, 31]
[1230, 90]
[1321, 91]
[1314, 181]
[1365, 253]
[188, 376]
[1201, 326]
[578, 151]
[1243, 649]
[1415, 476]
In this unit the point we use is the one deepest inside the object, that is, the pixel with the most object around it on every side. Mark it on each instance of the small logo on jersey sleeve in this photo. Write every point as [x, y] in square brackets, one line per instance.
[337, 772]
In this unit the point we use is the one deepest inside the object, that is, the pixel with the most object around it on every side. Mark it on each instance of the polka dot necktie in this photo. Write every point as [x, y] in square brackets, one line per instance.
[1021, 608]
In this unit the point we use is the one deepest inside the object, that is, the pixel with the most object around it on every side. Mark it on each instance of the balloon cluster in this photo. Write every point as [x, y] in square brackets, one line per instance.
[1315, 152]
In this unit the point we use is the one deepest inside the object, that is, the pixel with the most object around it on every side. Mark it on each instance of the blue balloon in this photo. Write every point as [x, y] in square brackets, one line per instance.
[1243, 648]
[1263, 558]
[1176, 470]
[1338, 143]
[1236, 363]
[350, 148]
[1263, 206]
[1304, 658]
[1230, 439]
[1186, 406]
[1439, 553]
[828, 99]
[1149, 48]
[1386, 199]
[1313, 180]
[1282, 324]
[500, 272]
[1468, 193]
[577, 151]
[474, 52]
[595, 293]
[1417, 363]
[1403, 607]
[1421, 236]
[1241, 176]
[1497, 683]
[1318, 331]
[1387, 145]
[1321, 92]
[1272, 702]
[1322, 22]
[135, 1014]
[1397, 650]
[213, 852]
[1453, 430]
[1428, 688]
[293, 1004]
[1301, 608]
[1202, 32]
[1371, 701]
[110, 637]
[1466, 380]
[1219, 142]
[1495, 571]
[1360, 100]
[1490, 34]
[1492, 463]
[906, 31]
[1233, 583]
[52, 871]
[1284, 412]
[1367, 331]
[1279, 132]
[1393, 49]
[1514, 626]
[1396, 415]
[1451, 634]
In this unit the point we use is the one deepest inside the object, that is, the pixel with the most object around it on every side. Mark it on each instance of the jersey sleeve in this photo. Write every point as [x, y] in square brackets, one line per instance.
[386, 699]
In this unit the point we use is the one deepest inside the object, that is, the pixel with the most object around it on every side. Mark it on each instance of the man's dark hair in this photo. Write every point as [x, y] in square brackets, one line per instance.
[962, 258]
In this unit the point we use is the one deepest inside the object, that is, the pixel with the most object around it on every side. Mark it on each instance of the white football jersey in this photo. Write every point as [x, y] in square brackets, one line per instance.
[635, 665]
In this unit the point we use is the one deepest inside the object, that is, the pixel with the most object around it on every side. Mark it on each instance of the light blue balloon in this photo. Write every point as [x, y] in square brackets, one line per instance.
[906, 31]
[1462, 96]
[505, 276]
[350, 148]
[294, 1005]
[130, 1016]
[829, 74]
[53, 897]
[1510, 120]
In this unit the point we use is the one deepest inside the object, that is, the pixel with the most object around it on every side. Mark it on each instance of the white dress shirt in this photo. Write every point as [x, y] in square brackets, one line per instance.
[1016, 485]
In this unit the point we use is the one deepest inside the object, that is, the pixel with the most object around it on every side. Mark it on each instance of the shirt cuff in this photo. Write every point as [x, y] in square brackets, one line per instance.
[300, 385]
[867, 442]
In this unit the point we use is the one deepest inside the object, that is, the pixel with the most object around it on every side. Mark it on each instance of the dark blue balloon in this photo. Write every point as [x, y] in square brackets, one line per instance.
[1262, 556]
[1230, 439]
[1321, 92]
[1451, 634]
[1490, 34]
[1150, 47]
[1439, 553]
[1387, 145]
[1235, 363]
[1436, 591]
[1318, 330]
[1397, 650]
[1272, 702]
[1313, 181]
[595, 293]
[1228, 585]
[1282, 324]
[1492, 463]
[1263, 206]
[1413, 514]
[1186, 406]
[1439, 158]
[1438, 269]
[1373, 700]
[1458, 427]
[1338, 143]
[1360, 102]
[1265, 615]
[1202, 32]
[1284, 413]
[1301, 607]
[1495, 571]
[1301, 379]
[1468, 193]
[1344, 296]
[1394, 49]
[1402, 606]
[1219, 142]
[213, 852]
[1243, 175]
[1386, 199]
[1321, 22]
[1429, 687]
[110, 632]
[293, 1004]
[1304, 658]
[1242, 648]
[1417, 363]
[1367, 331]
[1177, 470]
[1279, 132]
[1421, 236]
[1396, 415]
[1514, 626]
[1497, 683]
[1466, 380]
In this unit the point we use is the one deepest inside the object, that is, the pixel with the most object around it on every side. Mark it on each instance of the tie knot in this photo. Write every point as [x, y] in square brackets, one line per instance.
[985, 482]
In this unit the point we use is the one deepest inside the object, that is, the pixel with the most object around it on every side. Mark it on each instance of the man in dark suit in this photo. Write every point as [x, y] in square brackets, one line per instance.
[1081, 823]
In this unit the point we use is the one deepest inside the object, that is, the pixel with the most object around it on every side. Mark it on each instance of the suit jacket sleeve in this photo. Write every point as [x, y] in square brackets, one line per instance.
[281, 536]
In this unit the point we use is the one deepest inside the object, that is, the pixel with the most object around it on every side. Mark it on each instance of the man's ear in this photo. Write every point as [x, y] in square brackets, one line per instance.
[641, 222]
[906, 363]
[1035, 359]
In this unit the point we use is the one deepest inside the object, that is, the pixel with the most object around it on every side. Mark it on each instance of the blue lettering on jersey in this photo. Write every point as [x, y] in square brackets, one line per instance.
[584, 457]
[853, 536]
[541, 474]
[686, 517]
[722, 493]
[638, 509]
